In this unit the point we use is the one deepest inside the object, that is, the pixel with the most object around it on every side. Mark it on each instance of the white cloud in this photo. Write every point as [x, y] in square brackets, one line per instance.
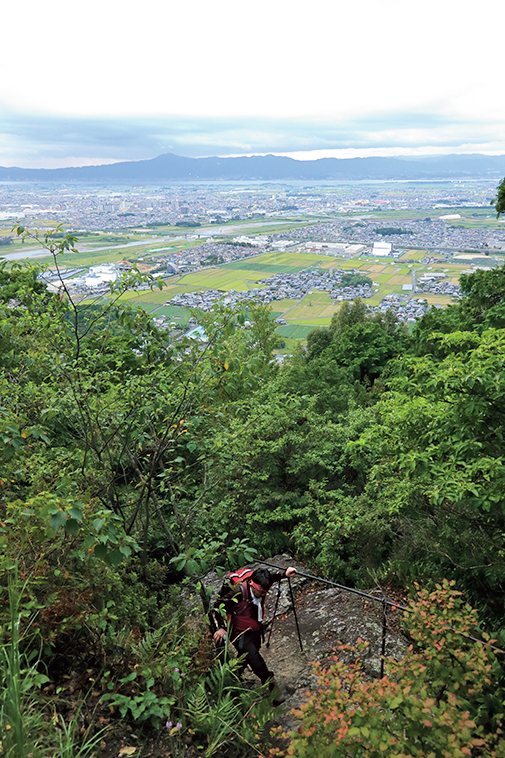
[338, 75]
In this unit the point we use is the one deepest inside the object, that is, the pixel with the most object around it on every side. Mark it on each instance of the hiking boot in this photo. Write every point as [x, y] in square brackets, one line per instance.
[279, 699]
[276, 691]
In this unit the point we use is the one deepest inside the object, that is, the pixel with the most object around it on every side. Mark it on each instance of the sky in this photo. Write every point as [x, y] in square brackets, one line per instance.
[105, 81]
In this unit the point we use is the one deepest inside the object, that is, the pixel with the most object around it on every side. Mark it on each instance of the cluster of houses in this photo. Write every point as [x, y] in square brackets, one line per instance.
[207, 254]
[438, 284]
[405, 312]
[432, 232]
[278, 287]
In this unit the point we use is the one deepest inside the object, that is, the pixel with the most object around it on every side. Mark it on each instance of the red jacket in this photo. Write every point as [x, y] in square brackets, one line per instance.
[241, 612]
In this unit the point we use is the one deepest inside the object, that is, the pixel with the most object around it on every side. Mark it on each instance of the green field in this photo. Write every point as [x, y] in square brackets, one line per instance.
[413, 255]
[312, 311]
[175, 312]
[436, 299]
[316, 305]
[314, 323]
[265, 269]
[294, 331]
[223, 278]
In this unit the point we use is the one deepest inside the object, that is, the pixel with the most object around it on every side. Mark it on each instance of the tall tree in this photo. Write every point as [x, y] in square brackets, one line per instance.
[439, 474]
[499, 200]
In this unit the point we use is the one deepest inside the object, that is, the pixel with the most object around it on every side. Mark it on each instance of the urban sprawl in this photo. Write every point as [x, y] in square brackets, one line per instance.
[216, 224]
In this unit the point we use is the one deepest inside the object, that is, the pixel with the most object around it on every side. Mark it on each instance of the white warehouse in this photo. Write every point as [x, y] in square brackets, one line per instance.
[99, 275]
[382, 248]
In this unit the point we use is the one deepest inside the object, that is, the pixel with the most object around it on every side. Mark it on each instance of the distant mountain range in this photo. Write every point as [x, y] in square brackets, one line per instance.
[170, 167]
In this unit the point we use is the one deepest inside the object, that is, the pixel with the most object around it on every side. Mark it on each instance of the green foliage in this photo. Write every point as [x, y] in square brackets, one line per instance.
[24, 730]
[440, 700]
[150, 682]
[19, 283]
[349, 315]
[359, 342]
[499, 200]
[224, 714]
[386, 230]
[355, 280]
[365, 350]
[484, 304]
[482, 307]
[317, 341]
[438, 475]
[199, 561]
[436, 320]
[145, 706]
[133, 463]
[15, 433]
[108, 434]
[19, 722]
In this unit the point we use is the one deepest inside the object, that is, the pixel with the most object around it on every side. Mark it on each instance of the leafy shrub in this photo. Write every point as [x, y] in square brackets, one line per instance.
[444, 699]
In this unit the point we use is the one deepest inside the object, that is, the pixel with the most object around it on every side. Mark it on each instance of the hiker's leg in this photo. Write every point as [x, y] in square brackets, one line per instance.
[249, 644]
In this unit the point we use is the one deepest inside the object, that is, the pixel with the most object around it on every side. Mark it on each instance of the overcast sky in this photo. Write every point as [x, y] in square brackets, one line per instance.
[104, 80]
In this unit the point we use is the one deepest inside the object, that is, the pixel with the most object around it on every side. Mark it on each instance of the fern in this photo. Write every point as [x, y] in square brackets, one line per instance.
[146, 650]
[218, 706]
[217, 720]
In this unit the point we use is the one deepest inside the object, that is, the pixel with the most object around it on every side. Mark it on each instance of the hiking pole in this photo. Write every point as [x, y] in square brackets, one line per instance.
[395, 606]
[294, 613]
[384, 629]
[275, 613]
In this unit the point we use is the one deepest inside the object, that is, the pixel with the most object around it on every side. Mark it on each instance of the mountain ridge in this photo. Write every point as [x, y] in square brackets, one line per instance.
[171, 167]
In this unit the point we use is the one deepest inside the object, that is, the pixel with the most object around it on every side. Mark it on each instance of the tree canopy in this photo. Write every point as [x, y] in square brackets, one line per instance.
[499, 200]
[134, 462]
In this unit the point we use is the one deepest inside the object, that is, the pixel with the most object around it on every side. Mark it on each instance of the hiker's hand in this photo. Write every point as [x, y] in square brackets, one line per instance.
[290, 571]
[219, 634]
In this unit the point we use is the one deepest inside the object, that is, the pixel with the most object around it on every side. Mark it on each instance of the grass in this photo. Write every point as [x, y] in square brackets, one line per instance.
[24, 731]
[314, 323]
[384, 278]
[294, 331]
[174, 312]
[316, 305]
[399, 279]
[296, 258]
[147, 296]
[376, 298]
[266, 269]
[280, 306]
[289, 346]
[413, 255]
[394, 288]
[374, 268]
[241, 285]
[157, 296]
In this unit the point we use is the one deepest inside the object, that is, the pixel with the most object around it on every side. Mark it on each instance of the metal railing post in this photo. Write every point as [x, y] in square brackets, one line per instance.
[384, 628]
[294, 612]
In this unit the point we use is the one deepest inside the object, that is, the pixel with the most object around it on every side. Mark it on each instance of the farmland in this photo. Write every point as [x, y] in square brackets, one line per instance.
[233, 240]
[312, 309]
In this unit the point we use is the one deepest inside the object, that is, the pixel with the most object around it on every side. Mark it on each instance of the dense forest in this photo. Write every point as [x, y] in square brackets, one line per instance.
[135, 461]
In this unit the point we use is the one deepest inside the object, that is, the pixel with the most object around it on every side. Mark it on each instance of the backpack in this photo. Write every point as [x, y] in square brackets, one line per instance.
[240, 577]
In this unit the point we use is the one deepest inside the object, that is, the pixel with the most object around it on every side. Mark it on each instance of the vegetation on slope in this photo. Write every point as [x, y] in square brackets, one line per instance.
[132, 464]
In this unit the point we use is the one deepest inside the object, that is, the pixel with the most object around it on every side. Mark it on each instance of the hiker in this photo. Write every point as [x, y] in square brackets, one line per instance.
[243, 597]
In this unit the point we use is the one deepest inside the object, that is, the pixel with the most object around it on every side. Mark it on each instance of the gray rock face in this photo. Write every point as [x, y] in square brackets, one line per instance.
[327, 616]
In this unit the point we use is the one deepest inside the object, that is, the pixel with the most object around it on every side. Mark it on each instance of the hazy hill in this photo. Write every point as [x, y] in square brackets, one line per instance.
[170, 167]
